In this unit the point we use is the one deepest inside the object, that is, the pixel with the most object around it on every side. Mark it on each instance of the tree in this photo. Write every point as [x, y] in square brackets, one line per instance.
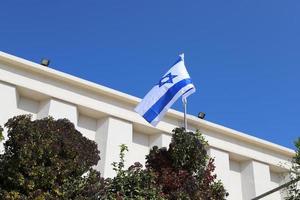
[183, 171]
[47, 159]
[293, 190]
[1, 134]
[132, 183]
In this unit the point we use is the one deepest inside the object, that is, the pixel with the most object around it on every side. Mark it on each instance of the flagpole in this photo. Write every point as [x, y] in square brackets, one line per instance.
[184, 101]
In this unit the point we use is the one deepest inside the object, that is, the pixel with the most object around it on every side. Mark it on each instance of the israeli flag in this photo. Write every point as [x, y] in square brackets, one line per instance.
[174, 84]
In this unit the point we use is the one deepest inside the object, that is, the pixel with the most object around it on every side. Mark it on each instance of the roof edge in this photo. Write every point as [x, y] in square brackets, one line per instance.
[29, 65]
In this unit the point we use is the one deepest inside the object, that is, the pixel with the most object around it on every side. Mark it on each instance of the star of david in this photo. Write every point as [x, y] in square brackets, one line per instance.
[166, 79]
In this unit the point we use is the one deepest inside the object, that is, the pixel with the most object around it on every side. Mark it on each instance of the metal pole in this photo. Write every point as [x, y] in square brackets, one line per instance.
[276, 189]
[184, 101]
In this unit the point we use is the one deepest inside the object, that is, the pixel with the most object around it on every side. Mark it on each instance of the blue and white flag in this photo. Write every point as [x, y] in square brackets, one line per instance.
[175, 83]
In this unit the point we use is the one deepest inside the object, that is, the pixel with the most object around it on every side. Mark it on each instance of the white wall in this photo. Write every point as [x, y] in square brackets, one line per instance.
[242, 179]
[27, 106]
[221, 159]
[139, 148]
[276, 179]
[8, 105]
[111, 133]
[235, 187]
[87, 126]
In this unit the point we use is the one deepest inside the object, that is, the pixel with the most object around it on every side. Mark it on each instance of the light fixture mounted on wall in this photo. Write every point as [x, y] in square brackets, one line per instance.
[201, 115]
[45, 62]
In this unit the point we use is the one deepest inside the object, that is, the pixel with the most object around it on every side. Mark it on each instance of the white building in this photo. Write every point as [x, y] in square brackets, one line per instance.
[248, 166]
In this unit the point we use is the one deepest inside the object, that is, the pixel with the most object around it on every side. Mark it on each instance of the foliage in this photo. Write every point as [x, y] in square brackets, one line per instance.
[184, 171]
[132, 183]
[293, 190]
[1, 134]
[47, 159]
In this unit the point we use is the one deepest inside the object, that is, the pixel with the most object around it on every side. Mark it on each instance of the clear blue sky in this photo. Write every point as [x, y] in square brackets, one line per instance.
[243, 55]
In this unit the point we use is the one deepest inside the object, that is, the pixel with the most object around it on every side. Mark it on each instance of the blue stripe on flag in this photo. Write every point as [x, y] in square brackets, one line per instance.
[154, 111]
[179, 59]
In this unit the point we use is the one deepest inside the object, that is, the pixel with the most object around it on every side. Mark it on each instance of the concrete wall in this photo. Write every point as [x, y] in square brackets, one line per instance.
[247, 166]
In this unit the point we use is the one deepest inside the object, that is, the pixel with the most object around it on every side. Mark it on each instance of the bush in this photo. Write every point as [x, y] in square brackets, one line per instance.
[1, 134]
[47, 159]
[185, 171]
[133, 183]
[293, 190]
